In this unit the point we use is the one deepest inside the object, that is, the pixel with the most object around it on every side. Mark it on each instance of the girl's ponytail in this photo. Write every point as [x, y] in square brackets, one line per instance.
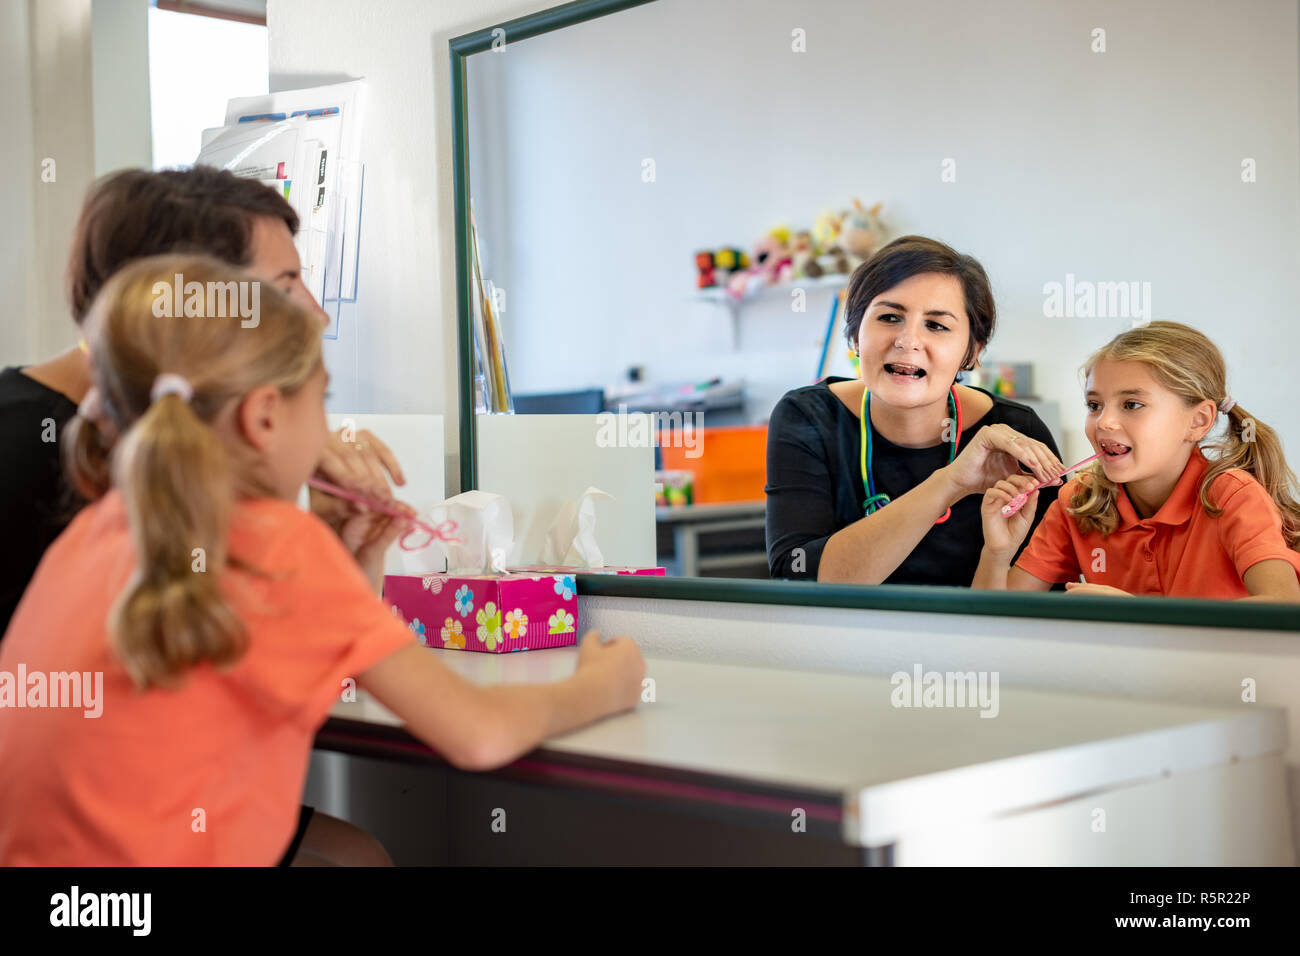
[157, 427]
[1254, 447]
[86, 445]
[174, 475]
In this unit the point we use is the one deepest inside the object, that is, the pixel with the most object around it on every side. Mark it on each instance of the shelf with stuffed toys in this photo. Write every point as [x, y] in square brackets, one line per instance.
[784, 263]
[760, 289]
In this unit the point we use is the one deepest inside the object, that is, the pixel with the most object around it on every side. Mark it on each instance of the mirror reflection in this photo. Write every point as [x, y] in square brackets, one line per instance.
[930, 295]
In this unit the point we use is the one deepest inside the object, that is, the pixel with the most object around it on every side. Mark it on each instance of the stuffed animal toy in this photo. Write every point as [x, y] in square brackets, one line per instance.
[826, 230]
[803, 256]
[834, 261]
[836, 245]
[862, 233]
[729, 260]
[707, 276]
[770, 256]
[715, 266]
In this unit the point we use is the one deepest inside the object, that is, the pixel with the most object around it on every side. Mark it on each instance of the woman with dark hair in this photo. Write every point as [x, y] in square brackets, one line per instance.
[904, 434]
[129, 215]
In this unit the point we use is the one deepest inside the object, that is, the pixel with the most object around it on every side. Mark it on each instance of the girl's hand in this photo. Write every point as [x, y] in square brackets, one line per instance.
[1076, 587]
[1002, 535]
[369, 534]
[996, 452]
[362, 466]
[615, 667]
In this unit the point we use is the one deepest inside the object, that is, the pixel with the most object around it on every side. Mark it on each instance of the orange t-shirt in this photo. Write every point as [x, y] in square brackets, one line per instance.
[1179, 551]
[208, 773]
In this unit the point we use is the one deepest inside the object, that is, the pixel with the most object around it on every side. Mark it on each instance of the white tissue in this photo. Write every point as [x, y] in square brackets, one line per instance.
[485, 527]
[571, 539]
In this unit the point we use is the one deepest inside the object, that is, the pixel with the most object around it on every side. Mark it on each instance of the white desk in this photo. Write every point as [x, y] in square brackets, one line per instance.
[1177, 784]
[688, 522]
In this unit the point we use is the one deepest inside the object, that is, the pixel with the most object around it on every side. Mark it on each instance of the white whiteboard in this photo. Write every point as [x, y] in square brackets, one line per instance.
[541, 461]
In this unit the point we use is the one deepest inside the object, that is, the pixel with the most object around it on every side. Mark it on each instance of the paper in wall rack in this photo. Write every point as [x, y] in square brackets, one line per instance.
[305, 143]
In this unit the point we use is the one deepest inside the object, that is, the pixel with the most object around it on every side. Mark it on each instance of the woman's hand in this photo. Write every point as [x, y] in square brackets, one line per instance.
[996, 452]
[362, 466]
[1002, 535]
[1076, 587]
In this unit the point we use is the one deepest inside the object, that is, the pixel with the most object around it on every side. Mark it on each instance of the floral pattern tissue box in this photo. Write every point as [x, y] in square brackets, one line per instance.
[496, 613]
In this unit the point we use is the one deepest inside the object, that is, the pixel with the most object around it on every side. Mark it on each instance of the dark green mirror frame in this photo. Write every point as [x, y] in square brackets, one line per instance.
[935, 600]
[461, 47]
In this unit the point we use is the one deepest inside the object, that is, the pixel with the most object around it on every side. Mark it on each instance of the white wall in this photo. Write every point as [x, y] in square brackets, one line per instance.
[120, 72]
[46, 115]
[1122, 165]
[396, 350]
[18, 199]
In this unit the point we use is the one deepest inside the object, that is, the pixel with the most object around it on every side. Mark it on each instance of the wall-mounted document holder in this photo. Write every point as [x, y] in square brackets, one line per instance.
[344, 245]
[306, 144]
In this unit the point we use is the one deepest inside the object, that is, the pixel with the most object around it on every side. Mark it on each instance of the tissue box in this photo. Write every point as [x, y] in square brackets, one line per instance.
[609, 569]
[495, 613]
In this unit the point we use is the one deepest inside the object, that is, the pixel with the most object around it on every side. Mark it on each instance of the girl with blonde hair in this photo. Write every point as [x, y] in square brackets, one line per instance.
[1155, 514]
[222, 619]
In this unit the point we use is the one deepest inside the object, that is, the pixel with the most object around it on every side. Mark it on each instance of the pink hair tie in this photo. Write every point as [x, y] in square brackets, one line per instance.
[1227, 404]
[169, 383]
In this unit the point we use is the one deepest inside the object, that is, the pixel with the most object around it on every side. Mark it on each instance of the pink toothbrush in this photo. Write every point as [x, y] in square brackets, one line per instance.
[443, 532]
[1018, 502]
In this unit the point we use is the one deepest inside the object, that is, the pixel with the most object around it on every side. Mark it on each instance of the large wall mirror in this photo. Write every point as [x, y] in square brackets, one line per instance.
[667, 198]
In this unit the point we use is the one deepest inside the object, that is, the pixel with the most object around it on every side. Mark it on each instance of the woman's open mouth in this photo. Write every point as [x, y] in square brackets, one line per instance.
[1114, 451]
[901, 372]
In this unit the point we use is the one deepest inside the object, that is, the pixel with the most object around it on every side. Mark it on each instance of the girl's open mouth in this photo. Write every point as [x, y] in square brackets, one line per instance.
[901, 372]
[1114, 451]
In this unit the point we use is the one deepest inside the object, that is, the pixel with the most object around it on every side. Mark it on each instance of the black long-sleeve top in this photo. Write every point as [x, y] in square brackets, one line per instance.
[814, 486]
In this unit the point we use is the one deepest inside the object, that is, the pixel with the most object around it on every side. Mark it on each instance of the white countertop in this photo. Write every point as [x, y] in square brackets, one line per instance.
[895, 767]
[672, 514]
